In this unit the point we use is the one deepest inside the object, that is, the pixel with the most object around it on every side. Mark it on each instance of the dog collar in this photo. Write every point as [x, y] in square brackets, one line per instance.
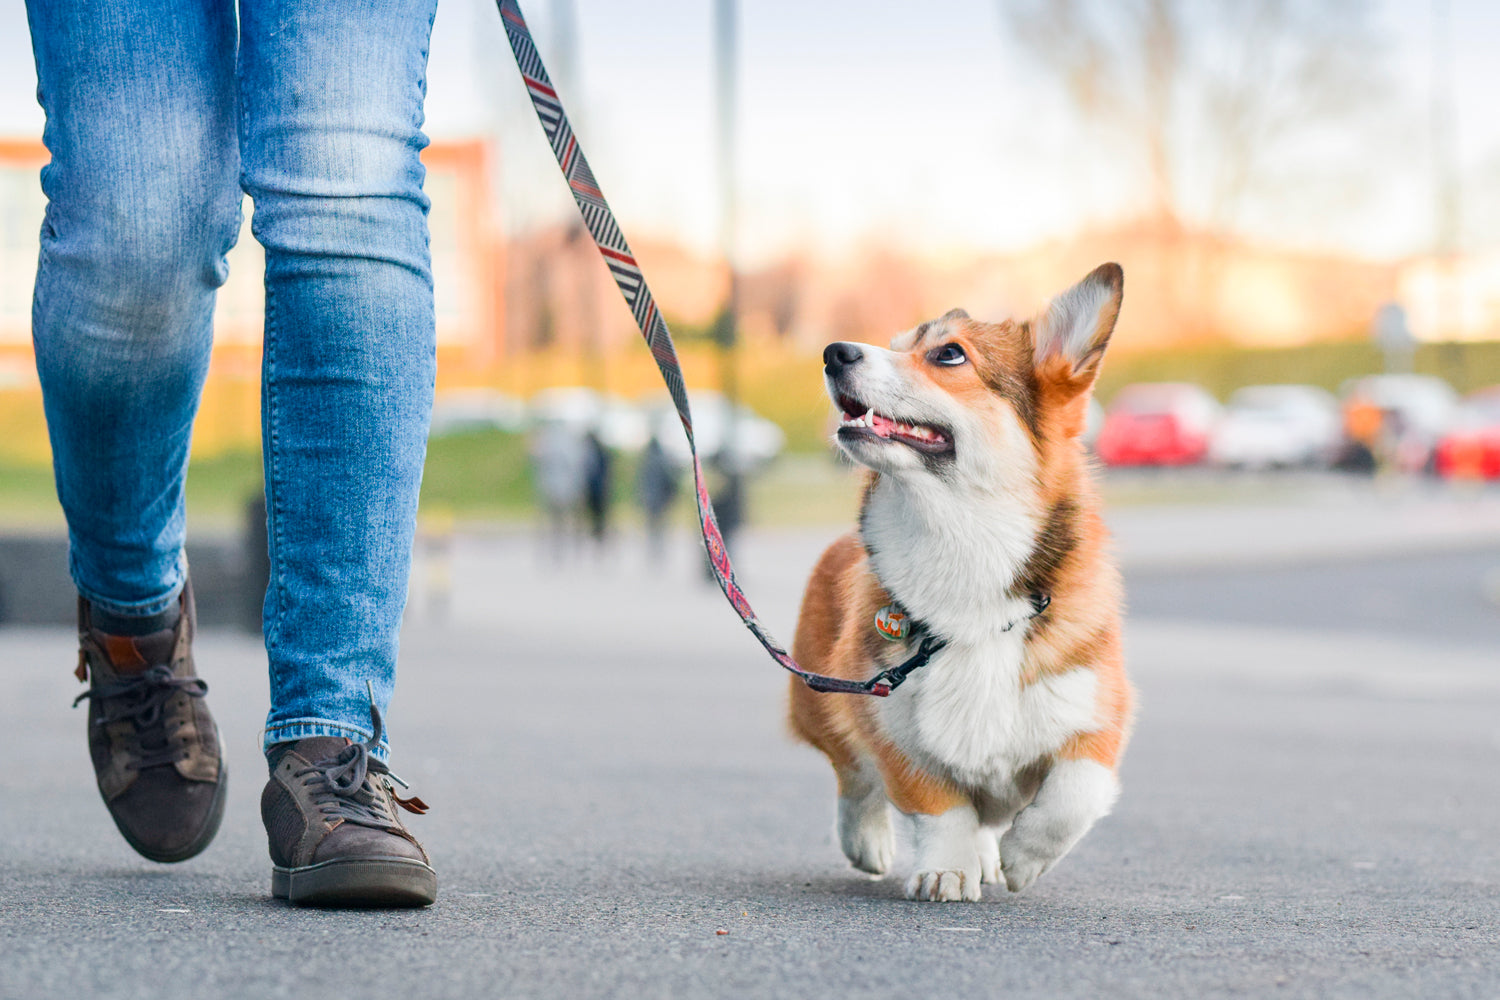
[895, 624]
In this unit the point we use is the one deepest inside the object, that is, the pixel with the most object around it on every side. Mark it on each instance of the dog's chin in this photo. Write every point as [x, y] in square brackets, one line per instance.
[893, 455]
[888, 441]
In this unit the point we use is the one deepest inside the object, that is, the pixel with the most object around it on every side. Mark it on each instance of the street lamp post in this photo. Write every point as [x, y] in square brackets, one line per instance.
[577, 245]
[727, 333]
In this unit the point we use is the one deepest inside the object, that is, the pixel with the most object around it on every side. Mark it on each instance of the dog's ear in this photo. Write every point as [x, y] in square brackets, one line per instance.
[1070, 337]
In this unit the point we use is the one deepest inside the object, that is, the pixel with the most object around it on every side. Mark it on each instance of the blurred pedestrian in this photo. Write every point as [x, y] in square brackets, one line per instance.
[160, 116]
[1362, 433]
[1398, 450]
[597, 483]
[656, 488]
[431, 596]
[728, 496]
[559, 458]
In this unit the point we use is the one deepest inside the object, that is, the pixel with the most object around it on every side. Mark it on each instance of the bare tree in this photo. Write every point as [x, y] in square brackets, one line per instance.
[1206, 93]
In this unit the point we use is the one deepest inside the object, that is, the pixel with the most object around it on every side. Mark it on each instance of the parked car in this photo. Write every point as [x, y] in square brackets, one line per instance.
[1277, 426]
[1400, 418]
[1158, 423]
[1471, 448]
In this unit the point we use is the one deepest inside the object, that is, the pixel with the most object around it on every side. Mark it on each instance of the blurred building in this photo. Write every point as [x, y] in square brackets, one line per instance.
[1182, 288]
[468, 259]
[1452, 298]
[538, 309]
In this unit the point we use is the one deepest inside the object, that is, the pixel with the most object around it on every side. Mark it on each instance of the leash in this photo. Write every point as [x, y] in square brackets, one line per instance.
[601, 224]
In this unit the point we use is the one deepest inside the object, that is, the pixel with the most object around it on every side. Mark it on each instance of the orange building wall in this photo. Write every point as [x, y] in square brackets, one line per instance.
[468, 258]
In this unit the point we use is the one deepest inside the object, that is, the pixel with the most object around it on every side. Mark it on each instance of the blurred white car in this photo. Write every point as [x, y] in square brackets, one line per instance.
[619, 423]
[1276, 426]
[756, 439]
[458, 410]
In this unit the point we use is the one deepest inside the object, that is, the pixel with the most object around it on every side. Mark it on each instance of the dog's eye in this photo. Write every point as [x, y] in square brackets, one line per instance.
[948, 354]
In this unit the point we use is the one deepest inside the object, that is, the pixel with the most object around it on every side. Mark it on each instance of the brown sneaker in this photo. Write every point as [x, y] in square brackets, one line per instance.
[155, 747]
[335, 839]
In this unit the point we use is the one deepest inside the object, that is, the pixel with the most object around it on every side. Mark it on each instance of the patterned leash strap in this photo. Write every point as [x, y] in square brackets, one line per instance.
[601, 224]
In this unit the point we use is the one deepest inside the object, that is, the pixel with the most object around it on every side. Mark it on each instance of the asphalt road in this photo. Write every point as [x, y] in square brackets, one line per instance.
[1445, 597]
[1310, 809]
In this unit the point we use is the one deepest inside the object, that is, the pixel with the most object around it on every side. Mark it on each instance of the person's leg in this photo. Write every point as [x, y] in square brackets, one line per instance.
[142, 206]
[330, 135]
[331, 131]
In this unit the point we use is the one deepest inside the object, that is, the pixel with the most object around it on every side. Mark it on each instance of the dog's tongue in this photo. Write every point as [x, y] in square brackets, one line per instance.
[883, 426]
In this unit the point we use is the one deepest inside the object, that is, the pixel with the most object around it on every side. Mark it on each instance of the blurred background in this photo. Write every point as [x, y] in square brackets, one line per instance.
[1298, 432]
[1305, 198]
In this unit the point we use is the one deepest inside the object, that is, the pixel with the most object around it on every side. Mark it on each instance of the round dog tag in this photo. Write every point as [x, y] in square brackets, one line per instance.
[892, 623]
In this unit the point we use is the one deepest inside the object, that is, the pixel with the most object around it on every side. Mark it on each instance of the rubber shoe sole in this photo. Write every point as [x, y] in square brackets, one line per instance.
[349, 882]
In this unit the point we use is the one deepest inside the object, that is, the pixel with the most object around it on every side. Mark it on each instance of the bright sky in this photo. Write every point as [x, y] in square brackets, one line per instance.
[925, 127]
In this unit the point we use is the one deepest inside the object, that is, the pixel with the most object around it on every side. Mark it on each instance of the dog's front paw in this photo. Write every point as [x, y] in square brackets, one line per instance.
[871, 848]
[866, 835]
[1073, 795]
[1022, 865]
[950, 886]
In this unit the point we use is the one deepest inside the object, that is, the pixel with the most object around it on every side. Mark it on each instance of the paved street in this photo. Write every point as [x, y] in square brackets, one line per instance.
[1311, 802]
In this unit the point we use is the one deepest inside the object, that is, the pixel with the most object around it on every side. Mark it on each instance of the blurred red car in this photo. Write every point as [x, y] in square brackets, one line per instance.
[1471, 449]
[1157, 423]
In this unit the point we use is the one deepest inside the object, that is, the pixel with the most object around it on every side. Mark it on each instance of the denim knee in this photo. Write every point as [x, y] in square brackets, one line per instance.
[370, 208]
[134, 270]
[142, 188]
[331, 134]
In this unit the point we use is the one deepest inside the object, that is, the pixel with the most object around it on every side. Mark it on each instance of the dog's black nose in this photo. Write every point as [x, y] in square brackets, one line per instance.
[841, 355]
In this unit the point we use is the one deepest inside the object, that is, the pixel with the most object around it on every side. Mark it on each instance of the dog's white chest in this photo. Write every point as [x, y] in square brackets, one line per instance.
[967, 715]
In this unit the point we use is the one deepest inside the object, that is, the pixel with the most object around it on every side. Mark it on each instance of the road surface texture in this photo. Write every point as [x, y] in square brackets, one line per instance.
[1311, 804]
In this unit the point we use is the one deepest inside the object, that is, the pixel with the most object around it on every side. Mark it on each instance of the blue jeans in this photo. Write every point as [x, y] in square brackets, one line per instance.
[159, 113]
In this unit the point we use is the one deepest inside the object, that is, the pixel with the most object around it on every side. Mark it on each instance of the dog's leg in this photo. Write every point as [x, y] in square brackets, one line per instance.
[949, 866]
[1071, 798]
[864, 822]
[987, 842]
[997, 802]
[945, 824]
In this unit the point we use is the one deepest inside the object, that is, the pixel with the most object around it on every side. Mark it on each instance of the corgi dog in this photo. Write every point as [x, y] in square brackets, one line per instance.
[979, 536]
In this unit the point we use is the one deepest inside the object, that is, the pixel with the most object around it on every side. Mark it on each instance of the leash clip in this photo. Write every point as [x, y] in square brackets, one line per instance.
[883, 683]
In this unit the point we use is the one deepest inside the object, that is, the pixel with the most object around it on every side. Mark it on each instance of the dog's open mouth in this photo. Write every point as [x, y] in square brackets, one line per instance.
[861, 421]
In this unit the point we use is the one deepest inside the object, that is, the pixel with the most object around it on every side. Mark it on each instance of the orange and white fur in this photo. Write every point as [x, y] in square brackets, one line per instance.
[1003, 749]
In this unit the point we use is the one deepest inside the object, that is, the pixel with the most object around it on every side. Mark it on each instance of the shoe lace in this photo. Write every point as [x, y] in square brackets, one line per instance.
[343, 788]
[141, 700]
